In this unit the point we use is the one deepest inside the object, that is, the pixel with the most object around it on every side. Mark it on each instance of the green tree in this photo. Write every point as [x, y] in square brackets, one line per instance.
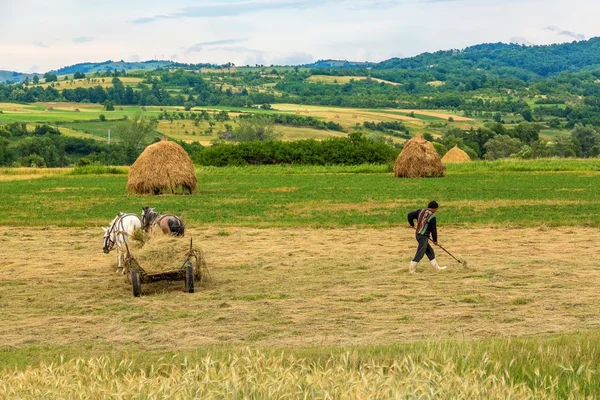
[527, 115]
[134, 134]
[256, 128]
[36, 79]
[502, 146]
[588, 137]
[50, 77]
[109, 106]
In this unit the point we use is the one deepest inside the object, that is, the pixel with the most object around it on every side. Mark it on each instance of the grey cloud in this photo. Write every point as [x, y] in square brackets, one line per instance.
[199, 46]
[82, 39]
[134, 58]
[33, 69]
[557, 30]
[40, 44]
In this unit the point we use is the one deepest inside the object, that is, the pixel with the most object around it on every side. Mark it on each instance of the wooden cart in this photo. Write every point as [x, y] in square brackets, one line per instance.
[189, 271]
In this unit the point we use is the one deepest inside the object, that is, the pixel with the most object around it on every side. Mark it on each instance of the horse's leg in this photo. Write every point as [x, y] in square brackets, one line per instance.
[118, 259]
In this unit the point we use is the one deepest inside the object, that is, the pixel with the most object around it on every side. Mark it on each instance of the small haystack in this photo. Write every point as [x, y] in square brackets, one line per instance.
[144, 108]
[456, 155]
[76, 110]
[163, 167]
[120, 108]
[50, 108]
[418, 159]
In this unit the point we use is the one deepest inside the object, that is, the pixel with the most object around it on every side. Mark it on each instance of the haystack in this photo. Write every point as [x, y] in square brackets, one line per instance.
[163, 167]
[456, 155]
[418, 159]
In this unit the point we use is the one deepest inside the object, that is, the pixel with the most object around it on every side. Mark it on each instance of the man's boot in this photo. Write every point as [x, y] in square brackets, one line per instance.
[436, 265]
[413, 267]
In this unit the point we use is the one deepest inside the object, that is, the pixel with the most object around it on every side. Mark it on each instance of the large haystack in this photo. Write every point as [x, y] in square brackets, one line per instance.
[456, 155]
[163, 167]
[418, 159]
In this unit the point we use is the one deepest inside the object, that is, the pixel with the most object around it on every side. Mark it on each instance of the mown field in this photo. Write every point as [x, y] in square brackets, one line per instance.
[310, 294]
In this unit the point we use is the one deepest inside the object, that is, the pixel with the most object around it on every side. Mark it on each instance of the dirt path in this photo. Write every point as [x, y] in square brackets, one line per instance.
[301, 287]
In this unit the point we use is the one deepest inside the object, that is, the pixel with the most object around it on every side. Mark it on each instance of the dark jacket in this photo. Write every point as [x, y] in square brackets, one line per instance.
[431, 229]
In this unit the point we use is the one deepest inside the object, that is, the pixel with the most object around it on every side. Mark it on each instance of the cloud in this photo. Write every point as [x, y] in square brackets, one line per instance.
[296, 58]
[40, 44]
[226, 9]
[521, 40]
[82, 39]
[134, 58]
[199, 46]
[32, 69]
[557, 30]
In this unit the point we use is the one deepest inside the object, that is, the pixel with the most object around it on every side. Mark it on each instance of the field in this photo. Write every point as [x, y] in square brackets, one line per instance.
[82, 120]
[309, 291]
[329, 79]
[90, 83]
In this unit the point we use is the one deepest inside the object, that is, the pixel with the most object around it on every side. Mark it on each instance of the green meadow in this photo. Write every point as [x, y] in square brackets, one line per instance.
[525, 193]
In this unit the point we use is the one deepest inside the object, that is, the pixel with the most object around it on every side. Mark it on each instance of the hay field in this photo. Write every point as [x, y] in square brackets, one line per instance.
[349, 117]
[186, 130]
[295, 287]
[328, 79]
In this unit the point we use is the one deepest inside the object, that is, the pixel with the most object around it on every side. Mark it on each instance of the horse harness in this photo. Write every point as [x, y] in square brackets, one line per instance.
[118, 223]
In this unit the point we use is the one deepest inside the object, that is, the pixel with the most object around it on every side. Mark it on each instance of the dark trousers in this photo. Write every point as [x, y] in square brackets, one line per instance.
[423, 249]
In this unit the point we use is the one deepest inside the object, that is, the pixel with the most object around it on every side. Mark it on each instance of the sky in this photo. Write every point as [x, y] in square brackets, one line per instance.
[38, 36]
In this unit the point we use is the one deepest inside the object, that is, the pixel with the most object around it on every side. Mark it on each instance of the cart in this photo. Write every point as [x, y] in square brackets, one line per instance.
[189, 271]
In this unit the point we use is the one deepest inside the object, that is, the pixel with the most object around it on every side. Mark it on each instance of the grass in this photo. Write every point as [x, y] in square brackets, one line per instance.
[481, 193]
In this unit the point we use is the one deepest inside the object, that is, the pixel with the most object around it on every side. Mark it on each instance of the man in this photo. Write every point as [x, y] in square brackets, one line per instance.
[426, 226]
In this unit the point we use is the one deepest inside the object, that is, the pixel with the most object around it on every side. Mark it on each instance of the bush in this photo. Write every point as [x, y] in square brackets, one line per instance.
[353, 150]
[440, 148]
[102, 117]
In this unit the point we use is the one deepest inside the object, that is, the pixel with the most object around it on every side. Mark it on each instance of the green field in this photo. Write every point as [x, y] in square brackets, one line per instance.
[496, 194]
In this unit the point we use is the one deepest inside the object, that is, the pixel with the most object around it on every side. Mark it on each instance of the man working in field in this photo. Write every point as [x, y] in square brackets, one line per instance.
[426, 226]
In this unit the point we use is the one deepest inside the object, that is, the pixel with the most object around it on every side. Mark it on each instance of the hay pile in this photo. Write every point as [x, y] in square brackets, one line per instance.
[418, 159]
[456, 155]
[163, 167]
[168, 253]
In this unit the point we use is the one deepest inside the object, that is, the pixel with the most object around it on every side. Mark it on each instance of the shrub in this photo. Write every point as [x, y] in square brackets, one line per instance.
[353, 150]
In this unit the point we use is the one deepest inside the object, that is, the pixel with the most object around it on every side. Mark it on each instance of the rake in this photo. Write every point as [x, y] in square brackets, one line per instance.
[461, 261]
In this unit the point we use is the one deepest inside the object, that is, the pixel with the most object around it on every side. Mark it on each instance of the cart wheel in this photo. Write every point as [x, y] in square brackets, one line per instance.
[189, 278]
[135, 283]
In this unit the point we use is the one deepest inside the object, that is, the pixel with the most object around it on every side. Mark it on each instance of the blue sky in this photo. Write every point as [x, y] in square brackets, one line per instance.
[40, 35]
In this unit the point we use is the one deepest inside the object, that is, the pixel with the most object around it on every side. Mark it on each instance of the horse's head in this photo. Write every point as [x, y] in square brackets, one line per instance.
[148, 214]
[109, 243]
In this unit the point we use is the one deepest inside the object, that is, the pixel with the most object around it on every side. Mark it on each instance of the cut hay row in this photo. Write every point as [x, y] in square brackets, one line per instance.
[418, 159]
[163, 167]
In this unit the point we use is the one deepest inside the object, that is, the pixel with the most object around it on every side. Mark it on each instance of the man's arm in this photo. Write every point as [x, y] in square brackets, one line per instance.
[412, 216]
[433, 229]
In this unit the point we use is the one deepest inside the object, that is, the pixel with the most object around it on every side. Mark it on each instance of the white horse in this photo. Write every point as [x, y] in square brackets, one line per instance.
[118, 233]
